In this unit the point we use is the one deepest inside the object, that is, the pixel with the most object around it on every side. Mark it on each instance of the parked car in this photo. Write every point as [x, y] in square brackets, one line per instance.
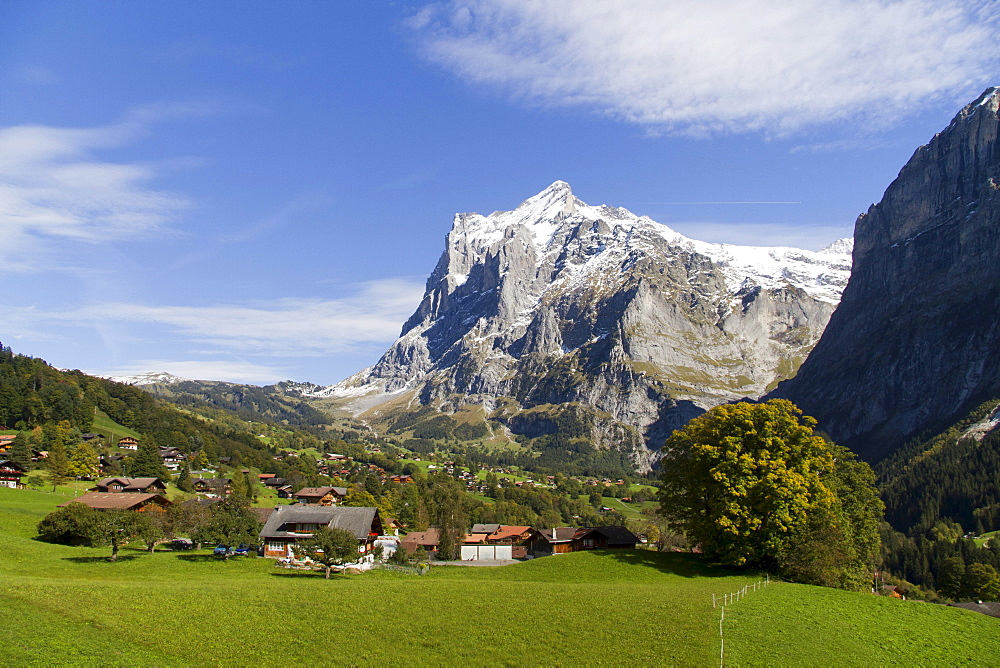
[222, 551]
[182, 544]
[245, 550]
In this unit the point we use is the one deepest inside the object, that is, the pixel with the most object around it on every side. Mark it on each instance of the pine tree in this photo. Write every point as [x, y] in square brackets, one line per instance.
[20, 450]
[147, 462]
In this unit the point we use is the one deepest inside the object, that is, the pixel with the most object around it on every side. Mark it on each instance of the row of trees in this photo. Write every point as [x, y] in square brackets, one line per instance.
[229, 522]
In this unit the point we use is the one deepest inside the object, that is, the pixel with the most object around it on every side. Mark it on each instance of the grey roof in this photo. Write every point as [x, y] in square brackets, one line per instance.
[485, 528]
[987, 608]
[354, 519]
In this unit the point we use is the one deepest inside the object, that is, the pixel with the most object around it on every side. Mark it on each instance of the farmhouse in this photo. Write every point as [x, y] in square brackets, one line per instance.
[561, 540]
[219, 486]
[122, 501]
[320, 496]
[10, 473]
[130, 485]
[288, 524]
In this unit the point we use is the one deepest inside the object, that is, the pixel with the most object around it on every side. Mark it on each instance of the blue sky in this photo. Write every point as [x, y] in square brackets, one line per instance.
[257, 191]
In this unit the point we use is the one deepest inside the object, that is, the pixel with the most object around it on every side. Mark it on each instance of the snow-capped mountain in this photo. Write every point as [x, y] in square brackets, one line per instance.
[560, 302]
[153, 377]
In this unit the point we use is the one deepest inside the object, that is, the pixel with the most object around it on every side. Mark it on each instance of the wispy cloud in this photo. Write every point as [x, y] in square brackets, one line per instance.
[234, 371]
[294, 327]
[721, 66]
[55, 189]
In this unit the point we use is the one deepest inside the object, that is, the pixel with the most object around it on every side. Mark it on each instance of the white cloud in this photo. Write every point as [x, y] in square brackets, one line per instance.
[291, 327]
[703, 66]
[54, 189]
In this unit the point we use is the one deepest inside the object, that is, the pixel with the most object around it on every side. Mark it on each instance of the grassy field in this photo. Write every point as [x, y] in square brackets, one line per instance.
[68, 605]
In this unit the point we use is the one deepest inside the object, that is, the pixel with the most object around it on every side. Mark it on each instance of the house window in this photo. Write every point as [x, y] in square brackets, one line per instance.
[276, 546]
[588, 542]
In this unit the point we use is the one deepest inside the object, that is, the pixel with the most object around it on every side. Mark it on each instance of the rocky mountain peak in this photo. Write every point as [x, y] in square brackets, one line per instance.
[558, 302]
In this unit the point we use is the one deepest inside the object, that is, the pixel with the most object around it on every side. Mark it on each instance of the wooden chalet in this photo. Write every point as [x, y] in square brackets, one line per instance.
[142, 503]
[288, 524]
[172, 458]
[128, 443]
[11, 473]
[320, 496]
[561, 540]
[219, 486]
[130, 486]
[402, 479]
[557, 540]
[605, 538]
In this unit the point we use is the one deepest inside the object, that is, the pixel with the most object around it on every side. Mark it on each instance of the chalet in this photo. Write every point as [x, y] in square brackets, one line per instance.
[219, 486]
[288, 524]
[274, 482]
[401, 479]
[285, 492]
[122, 501]
[128, 443]
[558, 540]
[561, 540]
[172, 458]
[90, 436]
[5, 442]
[10, 473]
[320, 496]
[130, 486]
[605, 538]
[429, 540]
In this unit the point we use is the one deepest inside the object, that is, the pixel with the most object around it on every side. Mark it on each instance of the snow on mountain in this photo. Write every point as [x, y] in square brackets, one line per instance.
[159, 377]
[822, 274]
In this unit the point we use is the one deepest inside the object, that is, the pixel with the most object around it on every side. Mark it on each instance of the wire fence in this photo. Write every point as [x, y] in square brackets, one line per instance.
[728, 599]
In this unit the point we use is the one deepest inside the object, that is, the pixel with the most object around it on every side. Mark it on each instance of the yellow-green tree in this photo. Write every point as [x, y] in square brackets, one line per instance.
[753, 484]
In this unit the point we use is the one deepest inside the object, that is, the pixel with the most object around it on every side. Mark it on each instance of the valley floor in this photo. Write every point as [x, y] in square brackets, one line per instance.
[68, 605]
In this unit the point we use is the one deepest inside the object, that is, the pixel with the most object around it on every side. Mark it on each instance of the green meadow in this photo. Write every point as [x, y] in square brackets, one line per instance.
[68, 605]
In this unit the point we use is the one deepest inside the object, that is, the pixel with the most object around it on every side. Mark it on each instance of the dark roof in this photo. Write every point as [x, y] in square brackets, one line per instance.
[987, 608]
[10, 464]
[274, 482]
[616, 535]
[115, 500]
[354, 519]
[562, 534]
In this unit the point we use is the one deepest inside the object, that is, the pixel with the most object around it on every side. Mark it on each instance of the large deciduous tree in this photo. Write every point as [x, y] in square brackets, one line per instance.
[754, 484]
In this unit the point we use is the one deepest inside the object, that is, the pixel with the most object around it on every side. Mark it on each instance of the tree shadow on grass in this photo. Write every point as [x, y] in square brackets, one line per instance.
[683, 564]
[200, 558]
[95, 560]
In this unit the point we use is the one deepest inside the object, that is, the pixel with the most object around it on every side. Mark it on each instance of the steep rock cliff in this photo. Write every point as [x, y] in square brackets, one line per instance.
[916, 338]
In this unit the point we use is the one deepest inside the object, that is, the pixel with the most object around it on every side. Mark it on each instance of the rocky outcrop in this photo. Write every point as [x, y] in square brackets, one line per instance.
[916, 338]
[559, 302]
